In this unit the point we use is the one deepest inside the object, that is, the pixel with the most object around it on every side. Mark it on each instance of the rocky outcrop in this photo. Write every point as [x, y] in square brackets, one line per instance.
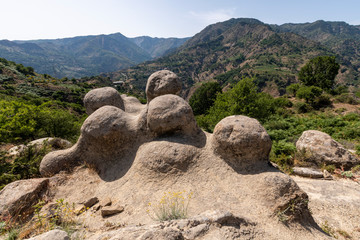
[100, 97]
[17, 198]
[218, 224]
[142, 151]
[319, 148]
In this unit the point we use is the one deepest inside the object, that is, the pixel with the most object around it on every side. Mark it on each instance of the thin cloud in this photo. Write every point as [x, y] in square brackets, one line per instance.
[214, 16]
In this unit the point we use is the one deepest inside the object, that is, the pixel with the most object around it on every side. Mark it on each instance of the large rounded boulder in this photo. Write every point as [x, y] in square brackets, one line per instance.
[100, 97]
[168, 114]
[240, 139]
[319, 148]
[161, 83]
[166, 156]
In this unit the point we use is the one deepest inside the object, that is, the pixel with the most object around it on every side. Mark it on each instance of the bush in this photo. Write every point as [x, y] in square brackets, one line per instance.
[322, 101]
[25, 166]
[283, 147]
[308, 93]
[21, 121]
[302, 107]
[204, 97]
[347, 98]
[292, 89]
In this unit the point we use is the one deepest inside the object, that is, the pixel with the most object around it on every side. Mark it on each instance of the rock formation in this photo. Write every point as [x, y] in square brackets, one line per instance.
[319, 148]
[140, 151]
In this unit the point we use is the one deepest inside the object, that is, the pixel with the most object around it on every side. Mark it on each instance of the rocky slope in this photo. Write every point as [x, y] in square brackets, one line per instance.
[235, 48]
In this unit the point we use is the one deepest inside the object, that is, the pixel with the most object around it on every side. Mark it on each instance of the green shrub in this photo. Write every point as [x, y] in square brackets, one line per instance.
[309, 93]
[347, 98]
[283, 147]
[204, 97]
[292, 89]
[302, 107]
[282, 102]
[329, 168]
[357, 149]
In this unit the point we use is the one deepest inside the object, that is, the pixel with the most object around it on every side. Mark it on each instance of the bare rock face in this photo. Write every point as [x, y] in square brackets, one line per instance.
[319, 148]
[240, 139]
[290, 203]
[169, 114]
[99, 97]
[161, 83]
[18, 197]
[55, 234]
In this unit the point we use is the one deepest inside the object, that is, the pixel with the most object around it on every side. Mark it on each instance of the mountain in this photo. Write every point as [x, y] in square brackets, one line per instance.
[85, 55]
[157, 47]
[229, 50]
[340, 37]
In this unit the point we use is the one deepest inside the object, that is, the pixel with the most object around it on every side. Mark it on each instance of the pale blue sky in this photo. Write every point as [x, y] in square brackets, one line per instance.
[41, 19]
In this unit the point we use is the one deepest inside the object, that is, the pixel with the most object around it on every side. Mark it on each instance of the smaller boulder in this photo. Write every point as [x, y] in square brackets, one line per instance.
[55, 234]
[55, 143]
[319, 148]
[100, 97]
[161, 83]
[307, 172]
[240, 139]
[18, 197]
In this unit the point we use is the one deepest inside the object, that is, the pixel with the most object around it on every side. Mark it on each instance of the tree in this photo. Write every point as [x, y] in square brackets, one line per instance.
[242, 99]
[204, 97]
[320, 72]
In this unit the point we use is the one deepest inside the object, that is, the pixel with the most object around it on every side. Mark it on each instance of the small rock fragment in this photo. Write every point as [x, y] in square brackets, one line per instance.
[307, 172]
[91, 202]
[111, 210]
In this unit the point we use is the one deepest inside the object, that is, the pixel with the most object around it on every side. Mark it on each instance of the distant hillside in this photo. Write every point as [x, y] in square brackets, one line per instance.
[340, 37]
[157, 47]
[83, 56]
[228, 50]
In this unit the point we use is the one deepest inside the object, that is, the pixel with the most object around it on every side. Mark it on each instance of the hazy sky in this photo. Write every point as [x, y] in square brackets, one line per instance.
[40, 19]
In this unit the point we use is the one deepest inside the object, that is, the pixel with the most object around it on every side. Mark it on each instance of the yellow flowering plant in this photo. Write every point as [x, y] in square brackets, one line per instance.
[172, 205]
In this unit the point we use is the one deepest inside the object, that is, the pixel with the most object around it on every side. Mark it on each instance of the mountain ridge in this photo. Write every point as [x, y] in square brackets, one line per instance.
[82, 55]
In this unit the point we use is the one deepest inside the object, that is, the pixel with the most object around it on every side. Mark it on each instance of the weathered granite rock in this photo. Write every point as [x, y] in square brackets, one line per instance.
[320, 148]
[100, 97]
[167, 157]
[62, 160]
[282, 193]
[240, 139]
[55, 143]
[55, 234]
[170, 114]
[161, 83]
[18, 197]
[307, 172]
